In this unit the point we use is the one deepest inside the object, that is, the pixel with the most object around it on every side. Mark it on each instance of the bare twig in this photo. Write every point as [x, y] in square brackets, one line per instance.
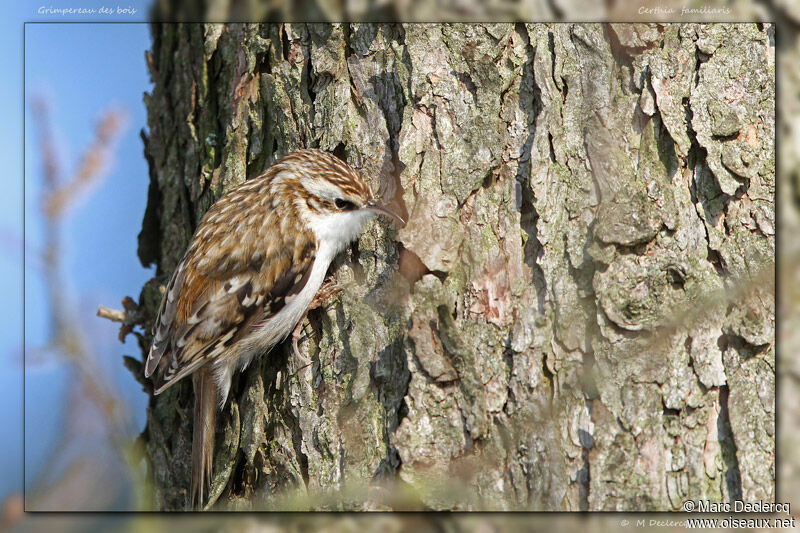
[114, 315]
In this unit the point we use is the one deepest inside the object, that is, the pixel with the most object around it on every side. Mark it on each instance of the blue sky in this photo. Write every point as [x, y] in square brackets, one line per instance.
[82, 69]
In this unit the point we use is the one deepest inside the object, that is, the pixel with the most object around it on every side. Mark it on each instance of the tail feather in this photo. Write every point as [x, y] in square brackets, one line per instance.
[205, 411]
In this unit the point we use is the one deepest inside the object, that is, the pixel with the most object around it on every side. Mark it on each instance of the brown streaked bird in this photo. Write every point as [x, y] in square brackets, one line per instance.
[254, 265]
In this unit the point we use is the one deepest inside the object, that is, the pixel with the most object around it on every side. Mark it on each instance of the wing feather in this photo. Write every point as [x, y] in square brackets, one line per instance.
[237, 273]
[164, 318]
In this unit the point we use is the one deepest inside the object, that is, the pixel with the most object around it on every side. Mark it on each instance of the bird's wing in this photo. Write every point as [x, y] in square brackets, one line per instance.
[235, 275]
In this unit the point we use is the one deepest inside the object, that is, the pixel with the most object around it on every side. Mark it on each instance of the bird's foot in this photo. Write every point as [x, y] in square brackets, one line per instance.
[327, 292]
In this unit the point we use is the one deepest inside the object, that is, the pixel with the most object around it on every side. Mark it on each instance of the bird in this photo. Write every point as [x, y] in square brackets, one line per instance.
[255, 263]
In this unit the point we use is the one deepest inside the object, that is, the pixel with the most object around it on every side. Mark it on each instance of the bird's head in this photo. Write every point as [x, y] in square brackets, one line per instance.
[331, 196]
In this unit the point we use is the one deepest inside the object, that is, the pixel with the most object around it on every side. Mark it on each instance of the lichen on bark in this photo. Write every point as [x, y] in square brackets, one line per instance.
[579, 314]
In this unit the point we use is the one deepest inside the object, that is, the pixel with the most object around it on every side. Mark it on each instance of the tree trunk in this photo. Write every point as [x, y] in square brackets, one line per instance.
[579, 314]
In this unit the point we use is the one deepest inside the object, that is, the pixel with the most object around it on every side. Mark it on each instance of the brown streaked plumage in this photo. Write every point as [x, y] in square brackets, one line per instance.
[255, 263]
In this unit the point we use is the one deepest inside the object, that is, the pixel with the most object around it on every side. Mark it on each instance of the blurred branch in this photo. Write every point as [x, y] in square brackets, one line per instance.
[58, 196]
[93, 167]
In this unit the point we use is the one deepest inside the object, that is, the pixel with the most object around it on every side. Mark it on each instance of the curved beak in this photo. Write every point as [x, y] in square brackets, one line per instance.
[380, 209]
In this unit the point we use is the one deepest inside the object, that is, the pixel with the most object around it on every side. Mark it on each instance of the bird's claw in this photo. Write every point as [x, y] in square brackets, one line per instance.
[328, 290]
[298, 330]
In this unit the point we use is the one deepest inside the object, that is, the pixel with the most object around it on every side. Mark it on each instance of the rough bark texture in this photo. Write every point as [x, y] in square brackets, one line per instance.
[788, 31]
[580, 312]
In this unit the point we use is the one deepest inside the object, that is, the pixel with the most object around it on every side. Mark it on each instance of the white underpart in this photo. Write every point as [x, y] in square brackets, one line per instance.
[334, 232]
[339, 229]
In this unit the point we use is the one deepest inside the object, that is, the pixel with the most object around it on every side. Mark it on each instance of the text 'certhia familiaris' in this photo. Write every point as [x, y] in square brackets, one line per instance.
[254, 265]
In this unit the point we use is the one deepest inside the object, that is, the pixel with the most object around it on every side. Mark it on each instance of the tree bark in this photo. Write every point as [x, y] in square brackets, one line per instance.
[579, 314]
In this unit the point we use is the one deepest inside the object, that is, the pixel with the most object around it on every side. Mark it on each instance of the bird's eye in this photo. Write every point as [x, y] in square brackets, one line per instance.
[344, 205]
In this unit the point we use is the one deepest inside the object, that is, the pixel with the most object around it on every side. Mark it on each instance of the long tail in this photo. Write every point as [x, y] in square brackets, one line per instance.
[205, 412]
